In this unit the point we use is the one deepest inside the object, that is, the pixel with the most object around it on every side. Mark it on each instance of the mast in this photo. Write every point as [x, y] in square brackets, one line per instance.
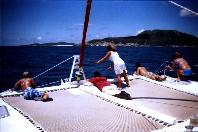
[86, 22]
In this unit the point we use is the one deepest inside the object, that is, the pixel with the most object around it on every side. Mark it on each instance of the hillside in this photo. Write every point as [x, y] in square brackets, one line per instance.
[152, 38]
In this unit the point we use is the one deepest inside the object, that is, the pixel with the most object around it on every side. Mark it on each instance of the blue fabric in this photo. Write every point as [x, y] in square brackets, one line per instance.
[30, 93]
[187, 72]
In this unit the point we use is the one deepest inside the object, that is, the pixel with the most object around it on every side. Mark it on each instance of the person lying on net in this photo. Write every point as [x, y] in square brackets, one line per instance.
[104, 86]
[141, 70]
[27, 85]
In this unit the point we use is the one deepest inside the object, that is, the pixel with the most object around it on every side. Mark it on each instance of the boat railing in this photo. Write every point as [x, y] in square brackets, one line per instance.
[162, 68]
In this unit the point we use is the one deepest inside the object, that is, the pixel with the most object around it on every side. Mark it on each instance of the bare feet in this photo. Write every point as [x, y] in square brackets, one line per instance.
[119, 88]
[45, 96]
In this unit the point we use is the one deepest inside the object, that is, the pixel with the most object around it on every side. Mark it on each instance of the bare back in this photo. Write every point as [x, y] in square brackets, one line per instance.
[24, 83]
[182, 63]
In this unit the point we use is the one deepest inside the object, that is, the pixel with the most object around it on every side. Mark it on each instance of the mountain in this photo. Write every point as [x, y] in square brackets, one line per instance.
[52, 44]
[152, 38]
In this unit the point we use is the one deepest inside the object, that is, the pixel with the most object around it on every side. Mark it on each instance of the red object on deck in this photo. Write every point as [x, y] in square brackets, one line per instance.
[86, 22]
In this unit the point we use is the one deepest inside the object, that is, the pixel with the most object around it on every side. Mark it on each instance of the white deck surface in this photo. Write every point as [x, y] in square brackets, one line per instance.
[130, 104]
[15, 122]
[178, 128]
[184, 86]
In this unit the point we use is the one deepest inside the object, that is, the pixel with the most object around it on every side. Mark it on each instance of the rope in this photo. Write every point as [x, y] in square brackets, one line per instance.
[52, 67]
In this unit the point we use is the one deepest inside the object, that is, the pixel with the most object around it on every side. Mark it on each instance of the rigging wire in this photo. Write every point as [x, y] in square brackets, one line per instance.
[187, 9]
[52, 67]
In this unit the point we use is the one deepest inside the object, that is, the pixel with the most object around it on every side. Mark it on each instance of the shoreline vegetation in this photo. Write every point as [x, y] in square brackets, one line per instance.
[148, 38]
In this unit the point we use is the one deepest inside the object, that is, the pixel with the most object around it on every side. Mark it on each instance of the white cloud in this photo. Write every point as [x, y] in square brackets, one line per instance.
[139, 31]
[39, 38]
[184, 13]
[97, 36]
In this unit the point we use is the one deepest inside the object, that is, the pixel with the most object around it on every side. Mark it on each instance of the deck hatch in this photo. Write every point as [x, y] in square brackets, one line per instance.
[4, 111]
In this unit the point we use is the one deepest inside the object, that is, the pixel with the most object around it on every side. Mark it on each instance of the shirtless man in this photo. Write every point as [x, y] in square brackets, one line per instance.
[25, 82]
[181, 66]
[27, 85]
[140, 70]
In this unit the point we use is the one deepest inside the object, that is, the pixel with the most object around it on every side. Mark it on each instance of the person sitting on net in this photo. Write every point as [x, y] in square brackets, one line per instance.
[181, 66]
[27, 85]
[141, 70]
[104, 86]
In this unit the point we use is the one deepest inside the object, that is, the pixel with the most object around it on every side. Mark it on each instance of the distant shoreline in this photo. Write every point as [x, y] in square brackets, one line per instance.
[146, 46]
[148, 38]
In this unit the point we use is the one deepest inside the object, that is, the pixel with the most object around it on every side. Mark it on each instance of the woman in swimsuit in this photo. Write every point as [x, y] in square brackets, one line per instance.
[140, 70]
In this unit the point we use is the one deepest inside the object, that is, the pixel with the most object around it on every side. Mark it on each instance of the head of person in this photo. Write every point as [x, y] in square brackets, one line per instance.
[111, 47]
[97, 74]
[177, 55]
[26, 75]
[137, 65]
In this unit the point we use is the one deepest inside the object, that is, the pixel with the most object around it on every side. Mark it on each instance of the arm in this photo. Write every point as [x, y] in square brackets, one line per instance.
[17, 85]
[92, 80]
[104, 58]
[171, 66]
[138, 71]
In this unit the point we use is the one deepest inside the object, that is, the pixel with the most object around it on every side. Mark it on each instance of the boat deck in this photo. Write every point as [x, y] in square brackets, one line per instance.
[87, 109]
[171, 102]
[75, 110]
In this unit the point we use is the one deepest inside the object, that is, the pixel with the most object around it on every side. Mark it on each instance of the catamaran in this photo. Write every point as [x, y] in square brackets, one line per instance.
[169, 105]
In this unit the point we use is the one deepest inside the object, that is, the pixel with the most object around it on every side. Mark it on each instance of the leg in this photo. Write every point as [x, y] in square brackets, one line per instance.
[160, 78]
[27, 93]
[153, 77]
[126, 78]
[45, 95]
[119, 81]
[179, 74]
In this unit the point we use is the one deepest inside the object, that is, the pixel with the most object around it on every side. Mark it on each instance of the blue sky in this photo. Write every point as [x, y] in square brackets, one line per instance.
[41, 21]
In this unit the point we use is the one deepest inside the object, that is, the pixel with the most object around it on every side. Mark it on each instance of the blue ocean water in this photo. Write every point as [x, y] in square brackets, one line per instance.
[15, 60]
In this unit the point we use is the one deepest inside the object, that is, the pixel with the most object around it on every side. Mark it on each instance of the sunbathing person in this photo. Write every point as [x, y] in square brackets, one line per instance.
[140, 70]
[27, 85]
[103, 85]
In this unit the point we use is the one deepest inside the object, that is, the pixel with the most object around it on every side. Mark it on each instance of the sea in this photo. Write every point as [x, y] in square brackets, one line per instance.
[38, 59]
